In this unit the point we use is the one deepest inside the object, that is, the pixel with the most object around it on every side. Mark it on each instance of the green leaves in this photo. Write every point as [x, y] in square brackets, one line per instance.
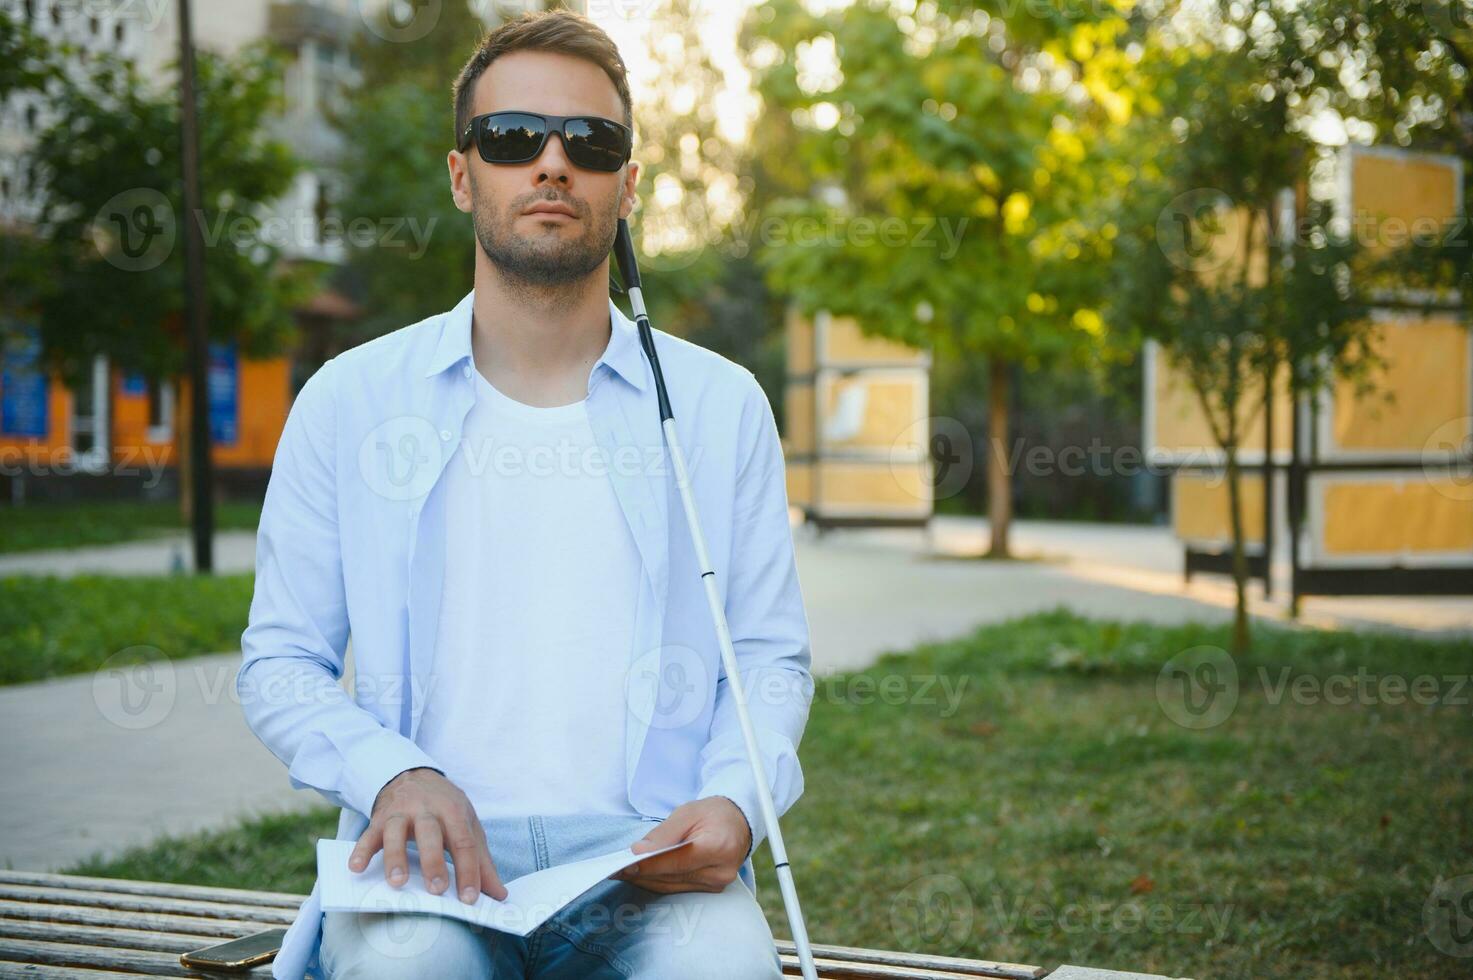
[112, 218]
[943, 124]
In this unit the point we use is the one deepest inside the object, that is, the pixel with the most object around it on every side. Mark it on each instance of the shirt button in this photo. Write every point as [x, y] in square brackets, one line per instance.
[444, 435]
[466, 371]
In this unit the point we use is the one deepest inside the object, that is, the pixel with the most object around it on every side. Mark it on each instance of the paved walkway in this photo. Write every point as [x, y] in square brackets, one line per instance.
[108, 760]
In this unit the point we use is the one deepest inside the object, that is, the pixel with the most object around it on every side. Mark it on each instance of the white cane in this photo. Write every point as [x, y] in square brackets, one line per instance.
[629, 272]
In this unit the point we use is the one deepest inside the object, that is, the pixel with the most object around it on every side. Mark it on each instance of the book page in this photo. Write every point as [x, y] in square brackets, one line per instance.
[530, 901]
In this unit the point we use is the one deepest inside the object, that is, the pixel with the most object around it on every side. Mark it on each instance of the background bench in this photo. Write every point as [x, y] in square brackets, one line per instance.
[68, 925]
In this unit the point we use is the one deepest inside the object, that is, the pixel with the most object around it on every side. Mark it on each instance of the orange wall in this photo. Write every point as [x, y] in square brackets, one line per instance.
[263, 398]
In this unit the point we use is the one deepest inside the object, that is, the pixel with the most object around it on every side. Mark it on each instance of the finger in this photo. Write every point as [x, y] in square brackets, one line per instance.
[431, 852]
[672, 830]
[367, 847]
[396, 861]
[682, 861]
[490, 877]
[464, 852]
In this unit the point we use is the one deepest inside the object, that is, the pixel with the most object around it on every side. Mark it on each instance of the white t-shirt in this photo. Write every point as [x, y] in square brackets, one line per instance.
[526, 706]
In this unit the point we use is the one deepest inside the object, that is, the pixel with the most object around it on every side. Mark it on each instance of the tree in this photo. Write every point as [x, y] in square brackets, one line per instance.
[396, 127]
[945, 178]
[111, 209]
[1235, 293]
[701, 277]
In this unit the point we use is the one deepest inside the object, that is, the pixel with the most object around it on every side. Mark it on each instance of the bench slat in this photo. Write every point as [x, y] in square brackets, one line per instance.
[65, 954]
[847, 970]
[160, 889]
[103, 937]
[45, 970]
[147, 905]
[88, 916]
[954, 964]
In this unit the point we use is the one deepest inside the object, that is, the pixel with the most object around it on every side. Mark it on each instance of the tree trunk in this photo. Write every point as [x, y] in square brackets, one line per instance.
[999, 473]
[1240, 557]
[181, 455]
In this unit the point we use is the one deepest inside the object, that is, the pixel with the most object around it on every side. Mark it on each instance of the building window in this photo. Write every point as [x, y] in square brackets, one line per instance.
[160, 410]
[90, 418]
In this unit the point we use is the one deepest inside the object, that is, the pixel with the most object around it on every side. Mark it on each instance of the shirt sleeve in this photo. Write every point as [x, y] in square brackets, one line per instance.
[294, 644]
[769, 631]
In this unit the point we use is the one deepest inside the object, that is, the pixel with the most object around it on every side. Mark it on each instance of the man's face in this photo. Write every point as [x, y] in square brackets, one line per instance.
[543, 249]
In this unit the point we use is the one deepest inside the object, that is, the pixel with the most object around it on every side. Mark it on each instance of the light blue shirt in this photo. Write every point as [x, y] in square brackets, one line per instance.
[352, 542]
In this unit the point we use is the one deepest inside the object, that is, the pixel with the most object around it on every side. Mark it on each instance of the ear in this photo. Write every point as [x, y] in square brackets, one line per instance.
[629, 198]
[460, 180]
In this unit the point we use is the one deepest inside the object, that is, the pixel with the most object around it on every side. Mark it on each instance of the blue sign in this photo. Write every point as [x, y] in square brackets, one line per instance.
[224, 394]
[135, 384]
[24, 388]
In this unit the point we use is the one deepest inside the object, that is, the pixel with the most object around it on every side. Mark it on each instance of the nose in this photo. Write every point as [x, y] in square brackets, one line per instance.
[552, 164]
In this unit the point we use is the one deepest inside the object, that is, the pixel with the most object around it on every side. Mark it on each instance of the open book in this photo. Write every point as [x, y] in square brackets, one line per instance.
[530, 901]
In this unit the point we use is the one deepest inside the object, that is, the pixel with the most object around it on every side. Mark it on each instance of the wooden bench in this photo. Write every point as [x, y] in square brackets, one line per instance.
[66, 925]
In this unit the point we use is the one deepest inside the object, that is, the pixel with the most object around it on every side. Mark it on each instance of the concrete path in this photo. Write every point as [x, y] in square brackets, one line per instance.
[235, 551]
[118, 758]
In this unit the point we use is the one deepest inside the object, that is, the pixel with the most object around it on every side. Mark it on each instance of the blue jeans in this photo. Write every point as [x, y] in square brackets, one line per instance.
[616, 930]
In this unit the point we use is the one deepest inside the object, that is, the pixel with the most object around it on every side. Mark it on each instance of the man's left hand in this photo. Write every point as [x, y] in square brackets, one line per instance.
[720, 840]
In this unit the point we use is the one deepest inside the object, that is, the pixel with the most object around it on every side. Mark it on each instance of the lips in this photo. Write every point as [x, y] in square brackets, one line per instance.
[551, 207]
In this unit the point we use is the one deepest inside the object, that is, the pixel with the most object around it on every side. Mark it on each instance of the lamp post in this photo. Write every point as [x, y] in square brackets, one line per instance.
[196, 313]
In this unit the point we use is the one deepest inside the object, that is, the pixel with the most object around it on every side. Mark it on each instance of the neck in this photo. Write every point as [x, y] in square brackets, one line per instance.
[537, 344]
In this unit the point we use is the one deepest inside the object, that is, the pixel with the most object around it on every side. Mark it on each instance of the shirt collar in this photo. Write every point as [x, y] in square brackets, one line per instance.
[623, 354]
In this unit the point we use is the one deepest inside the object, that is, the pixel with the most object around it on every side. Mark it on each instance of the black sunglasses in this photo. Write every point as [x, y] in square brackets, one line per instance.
[508, 137]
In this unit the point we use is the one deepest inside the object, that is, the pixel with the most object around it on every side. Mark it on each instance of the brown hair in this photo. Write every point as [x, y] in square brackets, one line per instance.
[562, 31]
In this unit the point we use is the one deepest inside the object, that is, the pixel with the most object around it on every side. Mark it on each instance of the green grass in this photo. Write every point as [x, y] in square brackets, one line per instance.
[1057, 815]
[33, 527]
[52, 626]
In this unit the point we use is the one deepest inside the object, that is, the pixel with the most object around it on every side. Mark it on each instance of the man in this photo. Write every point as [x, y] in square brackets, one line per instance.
[482, 501]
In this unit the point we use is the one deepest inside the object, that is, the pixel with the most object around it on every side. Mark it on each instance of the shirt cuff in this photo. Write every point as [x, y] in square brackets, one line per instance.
[374, 765]
[751, 837]
[735, 784]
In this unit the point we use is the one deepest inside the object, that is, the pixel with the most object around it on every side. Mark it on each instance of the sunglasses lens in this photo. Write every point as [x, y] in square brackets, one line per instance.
[511, 137]
[597, 144]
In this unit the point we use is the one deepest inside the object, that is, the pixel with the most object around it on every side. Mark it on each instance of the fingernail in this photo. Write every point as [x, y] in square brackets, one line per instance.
[397, 876]
[468, 895]
[633, 869]
[437, 884]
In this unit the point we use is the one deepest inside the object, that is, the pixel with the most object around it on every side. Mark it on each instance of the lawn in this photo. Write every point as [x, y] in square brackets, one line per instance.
[74, 525]
[51, 626]
[1021, 794]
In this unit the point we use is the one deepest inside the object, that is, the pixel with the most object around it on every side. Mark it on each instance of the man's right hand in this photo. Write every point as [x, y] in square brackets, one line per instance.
[424, 805]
